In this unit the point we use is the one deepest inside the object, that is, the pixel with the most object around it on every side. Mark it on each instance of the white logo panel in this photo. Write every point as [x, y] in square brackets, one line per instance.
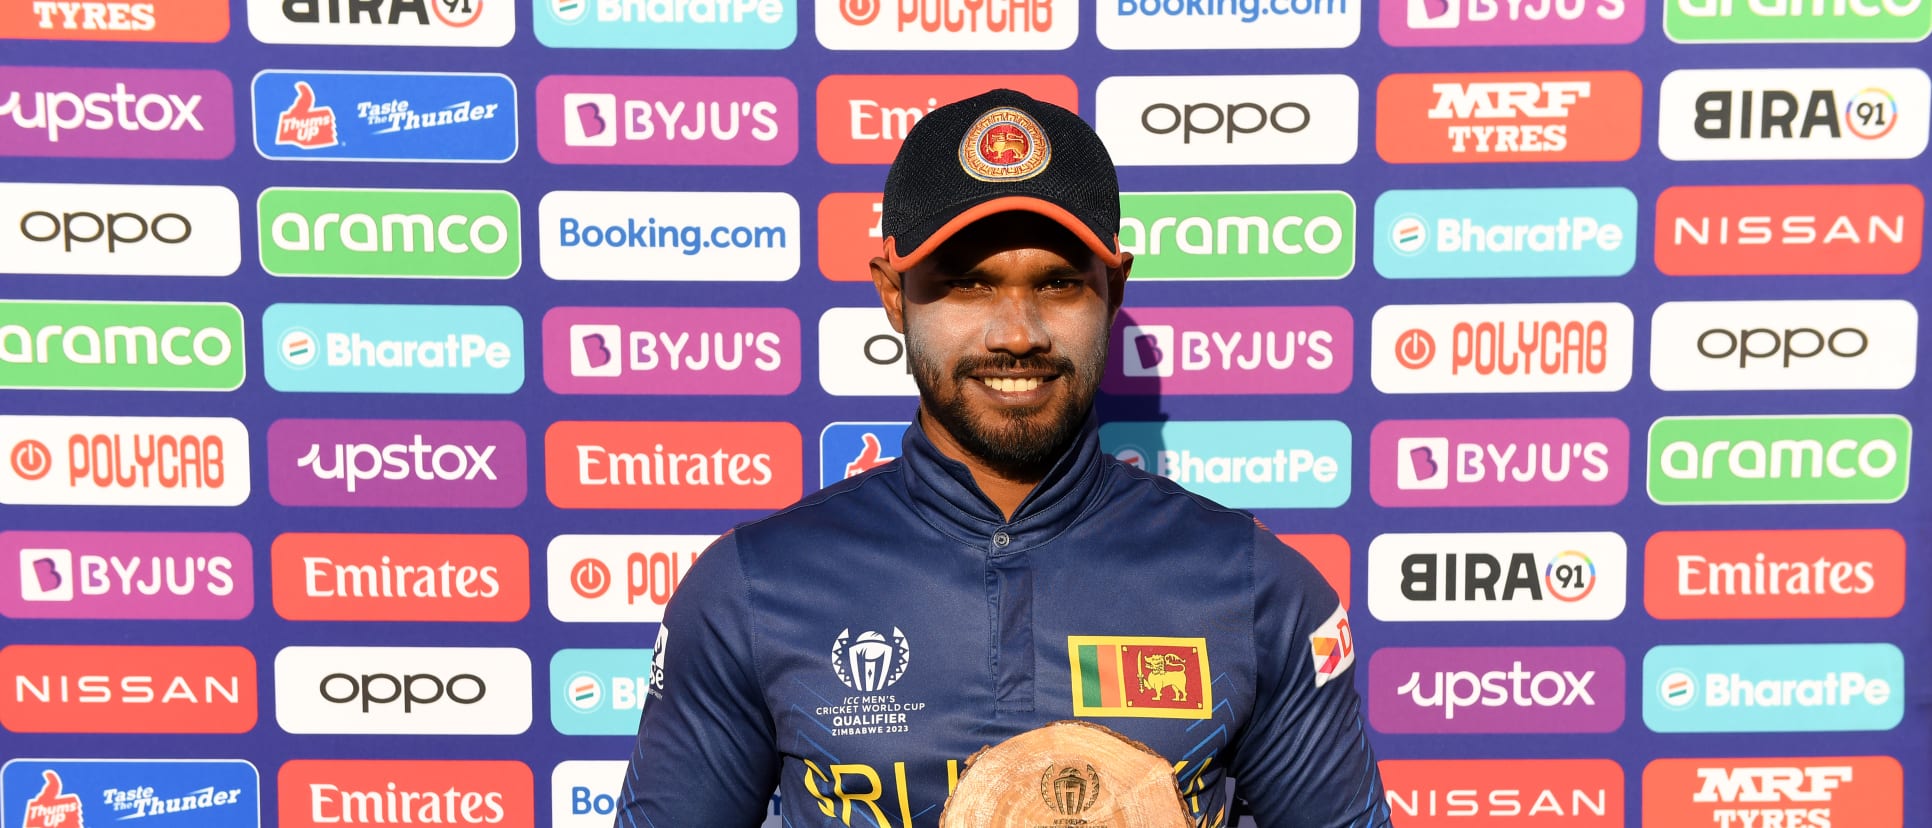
[383, 22]
[1762, 346]
[123, 461]
[120, 229]
[415, 690]
[1490, 349]
[1228, 119]
[668, 236]
[859, 355]
[1787, 114]
[618, 578]
[1498, 576]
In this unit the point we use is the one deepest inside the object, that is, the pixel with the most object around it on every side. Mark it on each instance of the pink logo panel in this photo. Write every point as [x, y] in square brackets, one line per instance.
[621, 119]
[126, 575]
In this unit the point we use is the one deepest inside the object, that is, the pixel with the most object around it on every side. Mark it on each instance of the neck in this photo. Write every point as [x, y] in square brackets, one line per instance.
[1006, 489]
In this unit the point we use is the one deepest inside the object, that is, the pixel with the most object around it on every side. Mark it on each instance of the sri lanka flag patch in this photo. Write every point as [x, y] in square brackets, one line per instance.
[1140, 676]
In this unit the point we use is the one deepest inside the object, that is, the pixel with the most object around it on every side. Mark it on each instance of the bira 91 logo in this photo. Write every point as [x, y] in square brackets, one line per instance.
[1248, 464]
[1233, 350]
[860, 355]
[1239, 235]
[1796, 21]
[951, 25]
[393, 349]
[145, 21]
[1508, 117]
[127, 689]
[126, 575]
[864, 118]
[669, 236]
[459, 464]
[1800, 230]
[397, 234]
[482, 691]
[1583, 462]
[598, 692]
[1228, 24]
[638, 24]
[1779, 459]
[849, 235]
[673, 465]
[1786, 114]
[397, 577]
[585, 573]
[616, 119]
[1784, 345]
[1511, 793]
[1246, 119]
[170, 793]
[1773, 688]
[1511, 22]
[1498, 576]
[585, 793]
[123, 461]
[1482, 234]
[1796, 792]
[317, 115]
[121, 346]
[1501, 348]
[1496, 690]
[58, 112]
[383, 22]
[728, 351]
[120, 229]
[317, 793]
[851, 449]
[1783, 573]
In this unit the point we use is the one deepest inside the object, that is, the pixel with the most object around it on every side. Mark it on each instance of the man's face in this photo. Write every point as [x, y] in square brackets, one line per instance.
[1006, 328]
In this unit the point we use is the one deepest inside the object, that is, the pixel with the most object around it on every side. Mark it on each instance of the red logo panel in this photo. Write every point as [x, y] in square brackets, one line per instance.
[1824, 230]
[383, 577]
[862, 119]
[54, 689]
[317, 793]
[673, 465]
[1544, 793]
[848, 236]
[1850, 791]
[1823, 573]
[1508, 116]
[1329, 554]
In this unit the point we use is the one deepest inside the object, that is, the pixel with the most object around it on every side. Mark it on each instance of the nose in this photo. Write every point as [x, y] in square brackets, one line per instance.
[1015, 326]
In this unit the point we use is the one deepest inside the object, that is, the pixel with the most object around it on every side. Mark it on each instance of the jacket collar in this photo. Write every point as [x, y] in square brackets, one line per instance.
[942, 490]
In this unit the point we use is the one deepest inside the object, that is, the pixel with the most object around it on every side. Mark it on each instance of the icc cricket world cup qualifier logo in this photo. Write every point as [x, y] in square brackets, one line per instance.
[869, 664]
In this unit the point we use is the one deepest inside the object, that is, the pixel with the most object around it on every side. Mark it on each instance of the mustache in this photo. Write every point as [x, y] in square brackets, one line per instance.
[966, 368]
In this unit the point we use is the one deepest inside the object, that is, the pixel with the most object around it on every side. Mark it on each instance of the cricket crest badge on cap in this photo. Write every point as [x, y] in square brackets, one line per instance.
[1005, 144]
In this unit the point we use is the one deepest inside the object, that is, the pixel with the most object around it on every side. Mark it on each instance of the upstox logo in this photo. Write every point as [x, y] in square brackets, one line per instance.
[137, 346]
[1797, 21]
[1466, 234]
[403, 234]
[1789, 114]
[393, 349]
[1779, 459]
[598, 692]
[1254, 464]
[1239, 235]
[115, 113]
[1773, 688]
[635, 24]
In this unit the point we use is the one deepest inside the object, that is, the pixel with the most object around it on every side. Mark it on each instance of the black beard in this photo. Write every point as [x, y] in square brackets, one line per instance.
[1015, 447]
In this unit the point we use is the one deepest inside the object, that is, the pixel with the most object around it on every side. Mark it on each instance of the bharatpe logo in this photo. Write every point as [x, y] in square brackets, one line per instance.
[1531, 348]
[1779, 459]
[126, 575]
[403, 690]
[473, 464]
[1508, 117]
[393, 349]
[120, 229]
[1816, 229]
[598, 692]
[1510, 22]
[723, 351]
[941, 25]
[1228, 24]
[1498, 576]
[1773, 688]
[397, 234]
[860, 355]
[152, 21]
[685, 24]
[1795, 791]
[317, 115]
[1239, 235]
[1784, 114]
[851, 449]
[1257, 464]
[116, 113]
[128, 346]
[1788, 345]
[1234, 350]
[618, 578]
[1475, 234]
[1496, 690]
[666, 237]
[1581, 462]
[164, 793]
[123, 461]
[612, 119]
[1797, 21]
[1246, 119]
[383, 22]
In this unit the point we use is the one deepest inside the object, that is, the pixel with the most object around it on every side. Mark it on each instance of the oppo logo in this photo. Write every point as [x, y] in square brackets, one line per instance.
[120, 228]
[1786, 344]
[403, 690]
[1229, 119]
[414, 689]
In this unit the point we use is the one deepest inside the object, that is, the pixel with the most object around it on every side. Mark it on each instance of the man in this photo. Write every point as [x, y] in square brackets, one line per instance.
[1003, 573]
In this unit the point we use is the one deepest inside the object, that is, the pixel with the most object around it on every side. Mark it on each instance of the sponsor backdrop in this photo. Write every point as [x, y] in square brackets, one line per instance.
[375, 369]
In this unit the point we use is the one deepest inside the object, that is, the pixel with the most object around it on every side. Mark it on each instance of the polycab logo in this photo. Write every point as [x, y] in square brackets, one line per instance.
[1501, 348]
[1498, 576]
[127, 689]
[120, 229]
[864, 118]
[851, 449]
[1475, 234]
[172, 793]
[726, 351]
[631, 24]
[663, 236]
[949, 25]
[318, 793]
[1780, 114]
[148, 21]
[124, 461]
[1492, 23]
[848, 235]
[396, 577]
[60, 112]
[673, 465]
[585, 793]
[134, 346]
[1773, 688]
[616, 119]
[1514, 793]
[1780, 21]
[1790, 573]
[415, 690]
[1508, 117]
[470, 464]
[1581, 462]
[1779, 459]
[1496, 690]
[393, 349]
[1245, 119]
[1239, 235]
[585, 573]
[1228, 24]
[422, 117]
[383, 22]
[860, 355]
[398, 234]
[1248, 464]
[598, 692]
[1330, 556]
[126, 575]
[1736, 346]
[1823, 229]
[1794, 791]
[1234, 350]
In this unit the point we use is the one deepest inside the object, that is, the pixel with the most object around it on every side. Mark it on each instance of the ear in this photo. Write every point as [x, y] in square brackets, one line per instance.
[1117, 284]
[891, 286]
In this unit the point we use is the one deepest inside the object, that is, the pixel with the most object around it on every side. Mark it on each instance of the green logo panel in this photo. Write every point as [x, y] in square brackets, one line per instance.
[1239, 235]
[1797, 21]
[140, 346]
[424, 234]
[1846, 459]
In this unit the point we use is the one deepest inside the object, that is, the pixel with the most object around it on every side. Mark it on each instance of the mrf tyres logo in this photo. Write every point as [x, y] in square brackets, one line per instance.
[120, 229]
[127, 346]
[401, 463]
[1246, 119]
[383, 22]
[1783, 345]
[124, 461]
[397, 234]
[1499, 576]
[397, 690]
[1581, 462]
[1239, 235]
[1496, 690]
[1773, 688]
[152, 21]
[1794, 791]
[1783, 114]
[1779, 459]
[1448, 349]
[424, 117]
[115, 113]
[1245, 350]
[1508, 117]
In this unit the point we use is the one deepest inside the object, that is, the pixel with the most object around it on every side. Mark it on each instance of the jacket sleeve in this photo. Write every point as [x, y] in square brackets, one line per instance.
[1304, 759]
[705, 753]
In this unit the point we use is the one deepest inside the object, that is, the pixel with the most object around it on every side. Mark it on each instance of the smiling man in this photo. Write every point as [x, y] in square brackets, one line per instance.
[852, 650]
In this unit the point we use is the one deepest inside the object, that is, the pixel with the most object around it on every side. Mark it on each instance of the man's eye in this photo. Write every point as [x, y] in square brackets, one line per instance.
[1062, 284]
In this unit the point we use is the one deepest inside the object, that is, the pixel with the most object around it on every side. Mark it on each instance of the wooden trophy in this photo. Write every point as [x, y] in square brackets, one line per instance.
[1066, 773]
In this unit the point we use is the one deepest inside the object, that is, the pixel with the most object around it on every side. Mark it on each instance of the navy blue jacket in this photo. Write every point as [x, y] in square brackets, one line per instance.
[854, 649]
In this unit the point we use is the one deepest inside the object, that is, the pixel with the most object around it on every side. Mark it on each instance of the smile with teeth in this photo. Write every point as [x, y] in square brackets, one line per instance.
[1011, 385]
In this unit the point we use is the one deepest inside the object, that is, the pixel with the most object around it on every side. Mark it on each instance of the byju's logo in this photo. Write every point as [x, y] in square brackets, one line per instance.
[1235, 350]
[1499, 462]
[610, 119]
[623, 578]
[129, 575]
[124, 461]
[418, 690]
[317, 115]
[170, 793]
[1500, 576]
[148, 21]
[1822, 229]
[393, 349]
[1729, 21]
[730, 351]
[598, 692]
[1239, 235]
[1246, 119]
[1469, 234]
[1798, 791]
[848, 449]
[1508, 116]
[1496, 690]
[397, 577]
[127, 689]
[1733, 346]
[116, 113]
[1538, 793]
[1259, 464]
[673, 465]
[120, 229]
[383, 22]
[1777, 114]
[1773, 688]
[325, 793]
[924, 25]
[860, 355]
[134, 346]
[865, 117]
[1448, 349]
[1782, 573]
[1779, 459]
[1493, 23]
[404, 463]
[1228, 24]
[663, 236]
[402, 234]
[604, 24]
